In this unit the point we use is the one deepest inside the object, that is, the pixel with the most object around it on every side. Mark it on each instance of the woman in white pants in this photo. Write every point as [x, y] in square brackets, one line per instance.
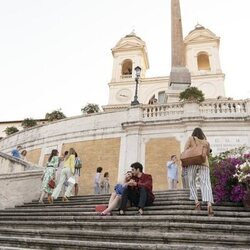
[67, 171]
[198, 138]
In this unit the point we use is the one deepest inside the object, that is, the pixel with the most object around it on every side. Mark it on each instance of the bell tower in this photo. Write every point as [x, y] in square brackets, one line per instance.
[128, 53]
[203, 61]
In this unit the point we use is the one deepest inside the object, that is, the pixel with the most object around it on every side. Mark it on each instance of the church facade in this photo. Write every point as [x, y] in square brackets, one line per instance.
[202, 60]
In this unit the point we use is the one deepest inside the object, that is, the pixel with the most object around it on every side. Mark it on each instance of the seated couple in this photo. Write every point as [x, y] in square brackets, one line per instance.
[136, 188]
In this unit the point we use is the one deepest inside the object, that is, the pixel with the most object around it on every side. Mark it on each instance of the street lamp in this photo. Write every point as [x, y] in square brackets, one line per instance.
[137, 76]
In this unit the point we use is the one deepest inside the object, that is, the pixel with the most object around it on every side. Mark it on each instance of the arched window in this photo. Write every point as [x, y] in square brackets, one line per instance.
[127, 68]
[203, 61]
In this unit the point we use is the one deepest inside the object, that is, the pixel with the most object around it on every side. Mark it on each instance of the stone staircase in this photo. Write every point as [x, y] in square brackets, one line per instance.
[171, 223]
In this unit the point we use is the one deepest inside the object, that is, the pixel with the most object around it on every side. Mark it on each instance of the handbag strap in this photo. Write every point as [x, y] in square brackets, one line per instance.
[194, 141]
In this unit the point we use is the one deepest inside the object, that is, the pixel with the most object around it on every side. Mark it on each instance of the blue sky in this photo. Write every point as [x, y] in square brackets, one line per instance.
[57, 53]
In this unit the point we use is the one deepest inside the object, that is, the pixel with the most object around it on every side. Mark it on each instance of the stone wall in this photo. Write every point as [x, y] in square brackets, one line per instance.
[96, 153]
[17, 188]
[34, 155]
[158, 152]
[20, 181]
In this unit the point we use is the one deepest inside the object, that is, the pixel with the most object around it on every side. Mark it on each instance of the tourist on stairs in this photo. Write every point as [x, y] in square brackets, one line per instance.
[138, 190]
[49, 173]
[199, 138]
[67, 172]
[116, 196]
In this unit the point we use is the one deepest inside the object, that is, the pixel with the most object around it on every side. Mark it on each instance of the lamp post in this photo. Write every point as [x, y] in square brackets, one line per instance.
[137, 76]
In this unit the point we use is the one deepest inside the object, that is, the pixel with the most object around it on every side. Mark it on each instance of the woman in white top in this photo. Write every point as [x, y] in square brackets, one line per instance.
[198, 138]
[67, 171]
[97, 181]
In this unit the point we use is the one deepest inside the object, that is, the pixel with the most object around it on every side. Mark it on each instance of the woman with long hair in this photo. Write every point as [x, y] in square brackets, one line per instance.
[67, 171]
[49, 173]
[199, 138]
[115, 197]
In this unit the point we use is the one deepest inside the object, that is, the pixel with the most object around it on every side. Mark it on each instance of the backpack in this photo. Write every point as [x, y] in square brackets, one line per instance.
[78, 163]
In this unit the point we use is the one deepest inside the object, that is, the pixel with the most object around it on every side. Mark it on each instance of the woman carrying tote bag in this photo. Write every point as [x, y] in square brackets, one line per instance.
[197, 139]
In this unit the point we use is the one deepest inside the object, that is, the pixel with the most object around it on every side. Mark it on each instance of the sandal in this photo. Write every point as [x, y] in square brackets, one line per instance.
[65, 199]
[139, 212]
[210, 211]
[105, 214]
[197, 206]
[121, 212]
[50, 200]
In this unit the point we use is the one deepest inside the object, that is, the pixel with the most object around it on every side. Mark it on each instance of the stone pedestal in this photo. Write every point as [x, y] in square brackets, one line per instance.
[191, 109]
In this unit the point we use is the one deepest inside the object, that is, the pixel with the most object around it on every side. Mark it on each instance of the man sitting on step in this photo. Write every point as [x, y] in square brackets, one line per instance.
[138, 191]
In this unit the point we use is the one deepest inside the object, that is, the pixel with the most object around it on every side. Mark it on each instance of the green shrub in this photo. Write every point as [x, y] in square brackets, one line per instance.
[192, 94]
[55, 115]
[11, 130]
[28, 123]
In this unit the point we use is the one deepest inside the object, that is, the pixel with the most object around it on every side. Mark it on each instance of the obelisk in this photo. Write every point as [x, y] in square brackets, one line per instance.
[179, 76]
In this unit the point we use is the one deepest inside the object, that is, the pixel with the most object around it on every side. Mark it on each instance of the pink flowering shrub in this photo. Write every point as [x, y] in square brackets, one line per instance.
[229, 178]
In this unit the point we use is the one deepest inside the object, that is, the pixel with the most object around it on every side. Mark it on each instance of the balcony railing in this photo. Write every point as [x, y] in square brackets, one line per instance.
[126, 76]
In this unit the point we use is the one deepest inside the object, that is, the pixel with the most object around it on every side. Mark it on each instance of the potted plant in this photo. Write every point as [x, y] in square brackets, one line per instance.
[191, 97]
[90, 108]
[11, 130]
[192, 94]
[28, 123]
[55, 115]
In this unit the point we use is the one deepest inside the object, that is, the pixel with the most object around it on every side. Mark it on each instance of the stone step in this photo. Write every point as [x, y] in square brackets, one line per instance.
[104, 196]
[106, 199]
[156, 202]
[157, 193]
[13, 248]
[86, 245]
[171, 223]
[134, 226]
[133, 218]
[91, 208]
[69, 214]
[129, 237]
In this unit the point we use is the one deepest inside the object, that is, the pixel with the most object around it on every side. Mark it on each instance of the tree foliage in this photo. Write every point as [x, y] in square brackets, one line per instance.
[55, 115]
[192, 94]
[91, 108]
[28, 123]
[11, 130]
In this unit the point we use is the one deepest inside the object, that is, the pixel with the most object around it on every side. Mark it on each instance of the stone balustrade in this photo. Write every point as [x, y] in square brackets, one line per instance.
[129, 76]
[224, 108]
[217, 108]
[162, 111]
[9, 164]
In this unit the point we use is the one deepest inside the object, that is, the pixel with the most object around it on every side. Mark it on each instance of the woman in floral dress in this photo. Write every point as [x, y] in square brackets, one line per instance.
[49, 173]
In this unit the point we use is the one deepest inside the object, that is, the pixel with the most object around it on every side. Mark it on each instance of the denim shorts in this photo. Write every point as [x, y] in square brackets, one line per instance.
[119, 189]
